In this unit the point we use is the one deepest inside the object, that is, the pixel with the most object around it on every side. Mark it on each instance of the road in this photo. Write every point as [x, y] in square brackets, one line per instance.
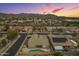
[15, 47]
[45, 33]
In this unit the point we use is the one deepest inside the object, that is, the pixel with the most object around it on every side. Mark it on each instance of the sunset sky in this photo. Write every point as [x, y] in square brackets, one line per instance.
[60, 9]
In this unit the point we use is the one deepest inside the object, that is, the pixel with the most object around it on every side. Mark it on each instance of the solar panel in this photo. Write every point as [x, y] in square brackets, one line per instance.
[55, 39]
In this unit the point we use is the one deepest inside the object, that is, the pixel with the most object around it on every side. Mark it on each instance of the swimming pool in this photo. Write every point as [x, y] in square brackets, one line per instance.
[38, 50]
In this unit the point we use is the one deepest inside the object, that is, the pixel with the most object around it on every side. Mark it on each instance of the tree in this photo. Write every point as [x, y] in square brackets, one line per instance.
[76, 53]
[12, 34]
[4, 42]
[74, 34]
[6, 27]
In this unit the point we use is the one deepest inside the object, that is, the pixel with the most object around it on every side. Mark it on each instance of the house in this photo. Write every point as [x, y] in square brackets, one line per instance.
[61, 41]
[2, 28]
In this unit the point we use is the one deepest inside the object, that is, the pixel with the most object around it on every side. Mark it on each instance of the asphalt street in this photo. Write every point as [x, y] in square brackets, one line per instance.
[15, 47]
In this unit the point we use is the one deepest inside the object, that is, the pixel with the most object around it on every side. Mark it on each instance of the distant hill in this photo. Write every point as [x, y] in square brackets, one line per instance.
[27, 14]
[41, 15]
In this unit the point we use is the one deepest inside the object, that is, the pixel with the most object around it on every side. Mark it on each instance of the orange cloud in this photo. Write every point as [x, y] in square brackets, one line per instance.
[58, 9]
[74, 8]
